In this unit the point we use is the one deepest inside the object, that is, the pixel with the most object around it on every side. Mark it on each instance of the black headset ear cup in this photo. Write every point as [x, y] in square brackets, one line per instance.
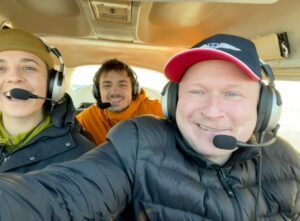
[169, 100]
[135, 89]
[56, 85]
[95, 92]
[95, 88]
[268, 109]
[135, 86]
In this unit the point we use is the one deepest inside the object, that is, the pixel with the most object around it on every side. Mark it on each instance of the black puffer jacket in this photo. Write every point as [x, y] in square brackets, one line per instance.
[61, 142]
[148, 172]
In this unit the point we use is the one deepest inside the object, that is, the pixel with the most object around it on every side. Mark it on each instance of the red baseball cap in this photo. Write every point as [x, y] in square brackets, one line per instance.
[235, 49]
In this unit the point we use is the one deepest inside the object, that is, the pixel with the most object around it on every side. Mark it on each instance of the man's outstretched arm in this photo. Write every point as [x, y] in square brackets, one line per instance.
[93, 187]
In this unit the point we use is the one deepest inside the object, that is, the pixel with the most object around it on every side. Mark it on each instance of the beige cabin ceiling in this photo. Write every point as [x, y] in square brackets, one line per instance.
[147, 33]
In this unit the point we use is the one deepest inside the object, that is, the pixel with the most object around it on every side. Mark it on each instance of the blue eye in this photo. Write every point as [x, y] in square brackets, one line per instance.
[232, 94]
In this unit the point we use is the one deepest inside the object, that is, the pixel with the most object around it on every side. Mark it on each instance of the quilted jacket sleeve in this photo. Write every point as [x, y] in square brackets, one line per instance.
[97, 186]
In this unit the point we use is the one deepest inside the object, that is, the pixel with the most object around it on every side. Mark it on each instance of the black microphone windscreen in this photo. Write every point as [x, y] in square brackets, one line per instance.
[20, 94]
[104, 105]
[225, 142]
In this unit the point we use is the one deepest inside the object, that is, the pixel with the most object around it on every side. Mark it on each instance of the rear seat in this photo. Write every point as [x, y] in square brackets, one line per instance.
[83, 106]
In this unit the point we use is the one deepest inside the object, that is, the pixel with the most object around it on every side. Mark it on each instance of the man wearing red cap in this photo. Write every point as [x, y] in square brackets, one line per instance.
[216, 157]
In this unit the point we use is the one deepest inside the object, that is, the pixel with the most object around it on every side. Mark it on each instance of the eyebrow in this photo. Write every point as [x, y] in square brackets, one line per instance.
[123, 81]
[110, 82]
[106, 82]
[22, 60]
[30, 60]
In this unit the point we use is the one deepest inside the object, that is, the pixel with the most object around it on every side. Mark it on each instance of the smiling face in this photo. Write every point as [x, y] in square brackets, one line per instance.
[116, 88]
[24, 70]
[216, 97]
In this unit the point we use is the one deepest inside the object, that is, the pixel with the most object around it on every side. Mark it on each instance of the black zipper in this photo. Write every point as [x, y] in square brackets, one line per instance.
[224, 180]
[225, 185]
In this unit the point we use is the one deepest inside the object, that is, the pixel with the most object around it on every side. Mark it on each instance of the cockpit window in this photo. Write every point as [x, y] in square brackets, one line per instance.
[289, 121]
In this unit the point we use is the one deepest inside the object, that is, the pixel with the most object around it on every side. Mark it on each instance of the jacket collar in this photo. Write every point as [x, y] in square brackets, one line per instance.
[63, 113]
[238, 156]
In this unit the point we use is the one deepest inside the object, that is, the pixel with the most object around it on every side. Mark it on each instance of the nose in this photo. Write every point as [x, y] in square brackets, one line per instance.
[115, 89]
[213, 107]
[14, 76]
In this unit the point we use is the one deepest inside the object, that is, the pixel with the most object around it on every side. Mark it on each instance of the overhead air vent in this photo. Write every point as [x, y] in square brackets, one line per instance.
[113, 11]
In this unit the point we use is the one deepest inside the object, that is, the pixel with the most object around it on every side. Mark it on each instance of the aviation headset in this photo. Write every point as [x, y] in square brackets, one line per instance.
[56, 82]
[268, 108]
[110, 65]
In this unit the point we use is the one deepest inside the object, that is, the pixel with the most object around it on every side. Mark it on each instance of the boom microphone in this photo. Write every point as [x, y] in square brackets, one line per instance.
[227, 142]
[22, 94]
[104, 105]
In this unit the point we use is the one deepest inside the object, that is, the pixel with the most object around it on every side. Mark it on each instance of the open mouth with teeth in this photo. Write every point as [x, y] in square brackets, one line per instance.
[7, 95]
[210, 129]
[115, 99]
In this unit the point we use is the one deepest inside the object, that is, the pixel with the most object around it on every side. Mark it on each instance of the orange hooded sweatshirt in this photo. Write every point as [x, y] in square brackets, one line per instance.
[97, 122]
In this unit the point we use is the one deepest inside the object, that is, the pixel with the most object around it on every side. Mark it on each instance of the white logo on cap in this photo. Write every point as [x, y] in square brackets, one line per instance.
[220, 46]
